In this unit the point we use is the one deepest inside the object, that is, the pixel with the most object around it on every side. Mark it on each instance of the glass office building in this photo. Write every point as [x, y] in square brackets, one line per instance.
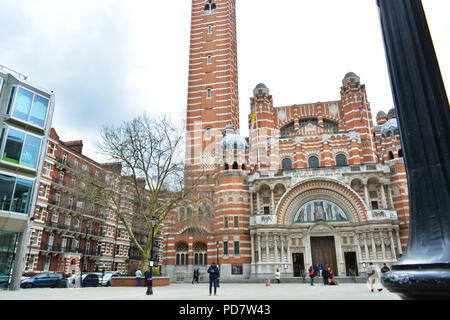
[26, 112]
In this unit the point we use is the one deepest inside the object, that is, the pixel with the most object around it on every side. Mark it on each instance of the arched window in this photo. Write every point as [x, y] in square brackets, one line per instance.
[235, 165]
[400, 153]
[226, 166]
[182, 254]
[341, 160]
[243, 166]
[182, 216]
[189, 214]
[313, 162]
[391, 155]
[200, 257]
[286, 164]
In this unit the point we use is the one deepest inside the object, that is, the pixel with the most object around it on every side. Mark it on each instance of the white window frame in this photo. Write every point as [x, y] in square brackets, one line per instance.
[5, 138]
[13, 105]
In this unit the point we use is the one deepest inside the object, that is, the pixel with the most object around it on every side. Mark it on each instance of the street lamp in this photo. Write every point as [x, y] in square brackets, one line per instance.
[88, 224]
[218, 264]
[153, 221]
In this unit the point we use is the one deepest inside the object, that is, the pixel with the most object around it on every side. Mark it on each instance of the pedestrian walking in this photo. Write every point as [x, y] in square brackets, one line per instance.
[312, 274]
[385, 268]
[374, 278]
[277, 275]
[213, 276]
[321, 269]
[325, 276]
[138, 277]
[194, 276]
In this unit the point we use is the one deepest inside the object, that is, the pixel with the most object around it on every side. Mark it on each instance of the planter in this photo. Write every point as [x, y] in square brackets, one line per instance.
[131, 282]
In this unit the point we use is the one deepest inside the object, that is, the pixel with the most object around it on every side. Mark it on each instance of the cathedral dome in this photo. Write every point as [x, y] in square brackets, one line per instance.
[232, 140]
[390, 128]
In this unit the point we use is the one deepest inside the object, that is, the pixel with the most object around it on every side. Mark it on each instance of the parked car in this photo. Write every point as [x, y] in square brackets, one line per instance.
[106, 281]
[90, 280]
[48, 279]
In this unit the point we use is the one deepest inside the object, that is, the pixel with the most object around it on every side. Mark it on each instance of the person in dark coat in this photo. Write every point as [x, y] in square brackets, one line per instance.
[146, 276]
[385, 268]
[316, 270]
[325, 276]
[213, 271]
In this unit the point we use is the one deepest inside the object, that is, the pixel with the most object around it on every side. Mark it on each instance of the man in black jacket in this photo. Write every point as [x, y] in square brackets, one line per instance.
[213, 275]
[325, 276]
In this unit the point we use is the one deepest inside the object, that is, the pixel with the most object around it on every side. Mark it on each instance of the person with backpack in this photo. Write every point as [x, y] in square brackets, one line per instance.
[312, 274]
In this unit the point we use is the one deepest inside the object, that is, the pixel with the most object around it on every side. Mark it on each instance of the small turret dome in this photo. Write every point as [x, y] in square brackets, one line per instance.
[350, 78]
[381, 114]
[232, 140]
[390, 128]
[392, 113]
[261, 89]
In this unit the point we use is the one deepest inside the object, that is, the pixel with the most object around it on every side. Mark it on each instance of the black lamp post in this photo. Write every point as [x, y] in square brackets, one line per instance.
[88, 224]
[153, 221]
[423, 114]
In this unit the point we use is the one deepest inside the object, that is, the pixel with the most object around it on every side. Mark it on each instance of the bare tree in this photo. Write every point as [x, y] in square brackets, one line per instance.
[150, 150]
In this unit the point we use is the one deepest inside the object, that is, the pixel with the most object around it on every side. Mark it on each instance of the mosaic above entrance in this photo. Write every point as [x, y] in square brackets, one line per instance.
[319, 210]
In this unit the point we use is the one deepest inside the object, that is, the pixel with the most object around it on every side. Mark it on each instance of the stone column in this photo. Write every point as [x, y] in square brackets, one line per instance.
[282, 249]
[394, 256]
[366, 248]
[383, 197]
[258, 245]
[399, 242]
[273, 201]
[288, 252]
[275, 237]
[251, 204]
[258, 204]
[374, 247]
[267, 253]
[383, 248]
[366, 196]
[252, 246]
[391, 201]
[359, 258]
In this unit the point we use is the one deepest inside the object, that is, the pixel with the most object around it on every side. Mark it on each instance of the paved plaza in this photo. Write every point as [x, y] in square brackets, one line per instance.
[226, 291]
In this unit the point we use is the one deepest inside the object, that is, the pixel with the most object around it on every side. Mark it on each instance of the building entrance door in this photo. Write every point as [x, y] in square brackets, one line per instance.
[298, 264]
[324, 252]
[351, 267]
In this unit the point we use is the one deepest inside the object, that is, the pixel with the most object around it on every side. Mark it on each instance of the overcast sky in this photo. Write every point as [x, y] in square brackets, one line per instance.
[109, 60]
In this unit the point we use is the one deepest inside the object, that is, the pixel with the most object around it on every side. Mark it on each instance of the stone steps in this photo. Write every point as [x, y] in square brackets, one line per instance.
[318, 280]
